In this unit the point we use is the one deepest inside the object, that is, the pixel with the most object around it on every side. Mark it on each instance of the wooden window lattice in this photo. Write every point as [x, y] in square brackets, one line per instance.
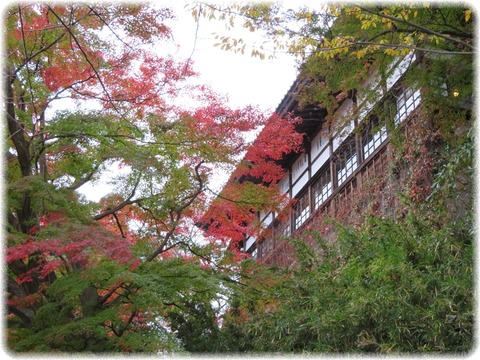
[346, 161]
[322, 188]
[373, 136]
[302, 210]
[265, 247]
[282, 229]
[407, 101]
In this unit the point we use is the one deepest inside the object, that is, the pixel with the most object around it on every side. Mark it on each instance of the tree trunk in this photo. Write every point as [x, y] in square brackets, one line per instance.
[22, 147]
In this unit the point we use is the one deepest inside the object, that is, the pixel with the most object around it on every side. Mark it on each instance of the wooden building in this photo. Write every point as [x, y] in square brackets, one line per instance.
[337, 163]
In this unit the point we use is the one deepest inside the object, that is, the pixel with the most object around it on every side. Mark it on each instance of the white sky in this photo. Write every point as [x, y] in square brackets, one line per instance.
[245, 79]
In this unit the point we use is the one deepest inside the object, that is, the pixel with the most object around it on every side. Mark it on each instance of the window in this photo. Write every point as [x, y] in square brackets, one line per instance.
[300, 163]
[302, 210]
[282, 229]
[322, 188]
[299, 166]
[346, 161]
[265, 247]
[318, 144]
[407, 101]
[373, 135]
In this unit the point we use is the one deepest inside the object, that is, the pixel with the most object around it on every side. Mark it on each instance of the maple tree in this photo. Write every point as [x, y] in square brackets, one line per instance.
[251, 187]
[103, 276]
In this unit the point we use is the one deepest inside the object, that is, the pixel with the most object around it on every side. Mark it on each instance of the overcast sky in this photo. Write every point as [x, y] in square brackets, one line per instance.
[245, 79]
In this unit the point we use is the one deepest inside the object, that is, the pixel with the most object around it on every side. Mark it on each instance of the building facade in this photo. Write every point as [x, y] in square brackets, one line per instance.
[337, 163]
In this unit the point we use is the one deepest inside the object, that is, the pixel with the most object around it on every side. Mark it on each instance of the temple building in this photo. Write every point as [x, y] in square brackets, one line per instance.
[343, 172]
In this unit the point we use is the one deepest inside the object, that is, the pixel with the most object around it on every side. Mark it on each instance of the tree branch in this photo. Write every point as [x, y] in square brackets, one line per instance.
[108, 26]
[15, 129]
[417, 26]
[115, 209]
[161, 247]
[120, 206]
[197, 192]
[29, 80]
[403, 46]
[86, 179]
[119, 225]
[105, 297]
[86, 57]
[176, 214]
[27, 322]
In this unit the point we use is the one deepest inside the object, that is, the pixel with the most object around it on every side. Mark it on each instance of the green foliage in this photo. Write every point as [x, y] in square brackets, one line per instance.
[455, 176]
[388, 287]
[362, 30]
[195, 324]
[401, 285]
[173, 291]
[391, 285]
[51, 314]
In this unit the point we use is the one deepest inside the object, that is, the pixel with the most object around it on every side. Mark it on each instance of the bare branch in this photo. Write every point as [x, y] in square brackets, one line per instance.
[394, 46]
[195, 40]
[27, 322]
[29, 80]
[105, 297]
[119, 225]
[108, 26]
[199, 190]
